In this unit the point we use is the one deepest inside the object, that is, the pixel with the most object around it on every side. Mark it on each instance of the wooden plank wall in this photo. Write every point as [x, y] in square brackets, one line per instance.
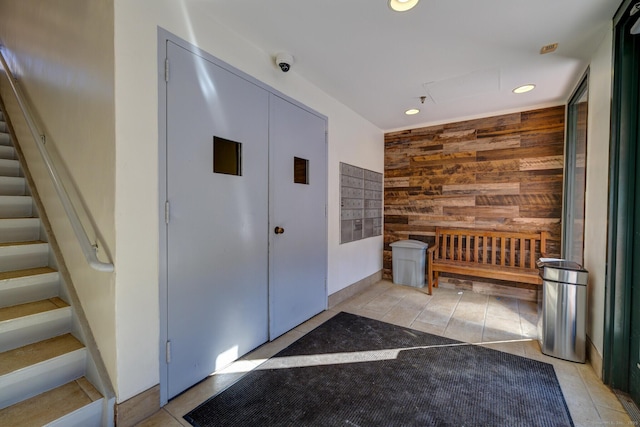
[496, 173]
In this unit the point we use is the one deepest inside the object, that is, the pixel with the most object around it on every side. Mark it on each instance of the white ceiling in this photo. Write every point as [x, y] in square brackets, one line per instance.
[465, 56]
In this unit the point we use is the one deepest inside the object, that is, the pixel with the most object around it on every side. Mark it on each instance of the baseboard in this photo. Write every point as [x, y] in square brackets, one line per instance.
[353, 289]
[594, 358]
[139, 407]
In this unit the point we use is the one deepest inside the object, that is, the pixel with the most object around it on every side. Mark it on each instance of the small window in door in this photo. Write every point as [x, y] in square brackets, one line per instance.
[227, 156]
[300, 171]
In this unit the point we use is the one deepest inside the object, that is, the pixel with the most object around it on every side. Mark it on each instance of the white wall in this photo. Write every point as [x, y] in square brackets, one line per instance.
[351, 139]
[597, 187]
[361, 145]
[62, 54]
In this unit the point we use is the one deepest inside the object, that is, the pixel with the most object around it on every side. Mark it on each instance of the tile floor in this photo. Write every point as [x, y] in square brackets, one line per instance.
[501, 323]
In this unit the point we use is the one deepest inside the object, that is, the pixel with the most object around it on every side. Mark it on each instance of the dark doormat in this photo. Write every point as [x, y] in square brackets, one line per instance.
[355, 371]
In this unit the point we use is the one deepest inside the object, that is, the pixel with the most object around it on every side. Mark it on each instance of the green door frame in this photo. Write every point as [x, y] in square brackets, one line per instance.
[622, 172]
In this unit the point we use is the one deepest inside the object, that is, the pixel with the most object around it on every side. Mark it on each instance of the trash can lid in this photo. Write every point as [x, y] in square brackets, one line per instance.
[562, 270]
[412, 244]
[563, 264]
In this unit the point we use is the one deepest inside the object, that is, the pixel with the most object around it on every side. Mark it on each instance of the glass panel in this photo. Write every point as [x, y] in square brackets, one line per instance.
[227, 156]
[576, 174]
[300, 170]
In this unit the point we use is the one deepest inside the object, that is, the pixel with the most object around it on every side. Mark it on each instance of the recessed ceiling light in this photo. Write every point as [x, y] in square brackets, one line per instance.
[412, 111]
[524, 88]
[402, 5]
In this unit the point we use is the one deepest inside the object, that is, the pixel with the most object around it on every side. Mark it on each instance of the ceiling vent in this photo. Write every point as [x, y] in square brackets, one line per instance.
[548, 48]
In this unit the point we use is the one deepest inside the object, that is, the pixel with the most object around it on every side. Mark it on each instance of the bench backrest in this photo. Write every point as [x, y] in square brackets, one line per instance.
[500, 248]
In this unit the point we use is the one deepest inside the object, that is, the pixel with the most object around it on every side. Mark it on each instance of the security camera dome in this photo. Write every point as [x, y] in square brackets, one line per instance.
[284, 61]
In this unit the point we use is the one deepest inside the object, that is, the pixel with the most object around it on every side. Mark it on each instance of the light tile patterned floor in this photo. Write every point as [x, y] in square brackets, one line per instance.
[501, 323]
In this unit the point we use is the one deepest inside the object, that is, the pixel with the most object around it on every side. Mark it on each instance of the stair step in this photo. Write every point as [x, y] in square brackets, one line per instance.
[28, 323]
[27, 371]
[9, 167]
[16, 206]
[33, 284]
[7, 152]
[42, 365]
[31, 308]
[23, 255]
[19, 229]
[26, 273]
[52, 405]
[28, 355]
[12, 186]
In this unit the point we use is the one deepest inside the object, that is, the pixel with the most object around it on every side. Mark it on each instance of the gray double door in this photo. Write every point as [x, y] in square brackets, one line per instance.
[246, 237]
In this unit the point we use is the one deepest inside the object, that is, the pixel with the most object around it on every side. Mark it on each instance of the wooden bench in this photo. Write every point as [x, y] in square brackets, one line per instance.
[499, 255]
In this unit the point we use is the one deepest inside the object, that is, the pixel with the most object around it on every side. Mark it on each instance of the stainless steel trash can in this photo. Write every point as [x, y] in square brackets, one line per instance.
[408, 262]
[562, 309]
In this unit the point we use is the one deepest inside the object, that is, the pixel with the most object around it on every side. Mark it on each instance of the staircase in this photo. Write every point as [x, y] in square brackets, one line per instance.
[46, 372]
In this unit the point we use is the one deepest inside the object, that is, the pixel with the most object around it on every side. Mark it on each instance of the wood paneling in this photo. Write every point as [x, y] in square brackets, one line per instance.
[496, 173]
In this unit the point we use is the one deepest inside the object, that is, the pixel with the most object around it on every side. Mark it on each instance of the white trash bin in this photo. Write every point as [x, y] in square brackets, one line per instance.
[408, 262]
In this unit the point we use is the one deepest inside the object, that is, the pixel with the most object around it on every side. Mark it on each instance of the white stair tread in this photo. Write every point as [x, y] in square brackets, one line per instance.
[32, 322]
[23, 286]
[16, 206]
[30, 308]
[9, 167]
[7, 152]
[51, 405]
[12, 185]
[23, 255]
[15, 274]
[19, 229]
[32, 354]
[23, 383]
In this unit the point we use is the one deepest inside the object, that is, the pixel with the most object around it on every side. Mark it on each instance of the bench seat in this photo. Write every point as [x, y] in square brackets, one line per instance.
[499, 255]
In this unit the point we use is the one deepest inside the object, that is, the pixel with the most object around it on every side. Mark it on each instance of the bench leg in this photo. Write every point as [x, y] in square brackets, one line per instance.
[435, 283]
[429, 279]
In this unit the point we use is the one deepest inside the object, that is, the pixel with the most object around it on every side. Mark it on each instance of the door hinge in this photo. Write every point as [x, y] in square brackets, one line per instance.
[166, 70]
[166, 212]
[168, 351]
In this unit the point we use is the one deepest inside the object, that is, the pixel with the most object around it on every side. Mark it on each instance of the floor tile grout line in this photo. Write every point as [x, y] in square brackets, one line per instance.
[589, 392]
[423, 309]
[452, 313]
[175, 418]
[386, 293]
[520, 318]
[484, 319]
[414, 318]
[398, 304]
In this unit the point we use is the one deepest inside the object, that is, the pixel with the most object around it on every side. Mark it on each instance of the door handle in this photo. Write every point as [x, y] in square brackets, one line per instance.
[279, 230]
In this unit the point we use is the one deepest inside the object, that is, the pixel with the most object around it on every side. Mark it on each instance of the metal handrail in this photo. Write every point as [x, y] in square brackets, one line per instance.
[89, 250]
